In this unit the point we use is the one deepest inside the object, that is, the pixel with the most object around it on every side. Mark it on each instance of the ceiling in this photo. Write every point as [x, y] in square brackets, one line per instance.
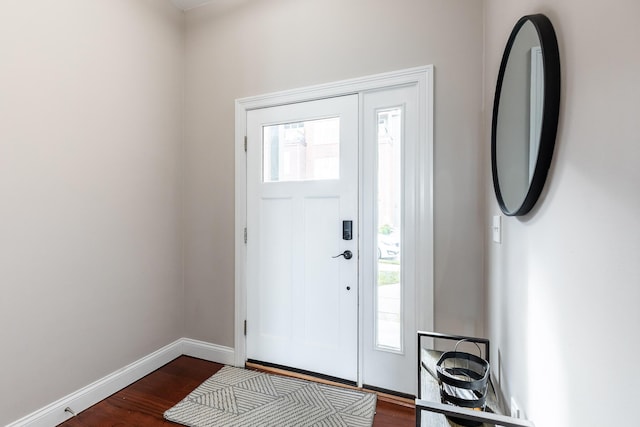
[189, 4]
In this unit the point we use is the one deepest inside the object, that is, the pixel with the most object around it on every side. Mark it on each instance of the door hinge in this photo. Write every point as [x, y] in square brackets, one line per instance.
[245, 234]
[245, 328]
[245, 143]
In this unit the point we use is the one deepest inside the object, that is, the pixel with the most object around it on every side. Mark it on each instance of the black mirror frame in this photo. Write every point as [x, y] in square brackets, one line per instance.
[551, 109]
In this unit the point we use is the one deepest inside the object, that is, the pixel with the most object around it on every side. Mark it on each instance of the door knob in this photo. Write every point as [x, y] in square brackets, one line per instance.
[346, 254]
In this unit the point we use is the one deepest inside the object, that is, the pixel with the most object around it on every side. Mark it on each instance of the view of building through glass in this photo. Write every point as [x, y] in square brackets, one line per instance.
[308, 150]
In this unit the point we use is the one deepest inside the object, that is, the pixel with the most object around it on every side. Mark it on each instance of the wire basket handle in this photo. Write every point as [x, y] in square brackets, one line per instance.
[467, 340]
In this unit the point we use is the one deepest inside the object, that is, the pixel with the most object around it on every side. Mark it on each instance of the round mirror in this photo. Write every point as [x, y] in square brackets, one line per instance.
[525, 114]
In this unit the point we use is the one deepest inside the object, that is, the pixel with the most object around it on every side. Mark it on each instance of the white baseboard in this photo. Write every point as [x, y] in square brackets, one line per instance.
[207, 351]
[54, 413]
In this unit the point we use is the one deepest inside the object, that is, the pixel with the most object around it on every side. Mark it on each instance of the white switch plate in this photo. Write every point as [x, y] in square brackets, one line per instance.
[496, 228]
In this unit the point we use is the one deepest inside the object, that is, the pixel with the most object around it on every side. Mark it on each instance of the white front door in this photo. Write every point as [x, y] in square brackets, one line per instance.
[302, 187]
[357, 150]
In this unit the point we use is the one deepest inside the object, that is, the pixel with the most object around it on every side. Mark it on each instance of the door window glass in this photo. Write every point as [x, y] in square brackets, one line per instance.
[300, 151]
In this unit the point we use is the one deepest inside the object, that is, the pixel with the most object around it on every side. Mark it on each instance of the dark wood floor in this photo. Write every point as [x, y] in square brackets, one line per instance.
[143, 403]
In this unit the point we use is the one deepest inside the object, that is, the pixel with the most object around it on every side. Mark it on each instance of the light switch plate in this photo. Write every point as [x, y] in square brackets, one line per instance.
[496, 229]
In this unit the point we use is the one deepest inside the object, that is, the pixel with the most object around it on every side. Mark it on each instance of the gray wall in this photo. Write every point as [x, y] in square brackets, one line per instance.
[251, 48]
[90, 244]
[563, 288]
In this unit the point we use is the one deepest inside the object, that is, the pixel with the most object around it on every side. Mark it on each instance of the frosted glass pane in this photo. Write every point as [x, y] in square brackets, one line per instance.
[301, 151]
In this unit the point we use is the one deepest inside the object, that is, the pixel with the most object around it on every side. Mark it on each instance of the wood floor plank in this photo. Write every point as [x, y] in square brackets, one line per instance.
[144, 402]
[391, 414]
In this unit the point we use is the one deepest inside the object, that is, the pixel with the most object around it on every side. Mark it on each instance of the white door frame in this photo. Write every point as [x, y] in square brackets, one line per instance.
[420, 76]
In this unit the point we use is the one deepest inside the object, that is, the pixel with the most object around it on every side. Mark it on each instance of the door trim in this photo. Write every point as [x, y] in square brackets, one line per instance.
[420, 76]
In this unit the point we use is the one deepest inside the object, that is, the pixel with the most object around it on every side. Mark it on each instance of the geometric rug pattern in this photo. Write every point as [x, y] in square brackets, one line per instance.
[237, 397]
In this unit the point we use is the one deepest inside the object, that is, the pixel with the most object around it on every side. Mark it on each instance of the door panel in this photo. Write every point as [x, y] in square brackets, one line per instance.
[321, 301]
[302, 171]
[277, 237]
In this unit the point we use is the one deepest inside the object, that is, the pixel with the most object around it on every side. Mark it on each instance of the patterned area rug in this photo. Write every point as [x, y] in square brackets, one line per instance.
[240, 397]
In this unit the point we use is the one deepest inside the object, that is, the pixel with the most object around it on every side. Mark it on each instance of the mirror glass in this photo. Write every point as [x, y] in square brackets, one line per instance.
[524, 125]
[519, 118]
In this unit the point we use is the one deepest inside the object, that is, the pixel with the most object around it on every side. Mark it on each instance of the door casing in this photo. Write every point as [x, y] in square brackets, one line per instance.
[424, 274]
